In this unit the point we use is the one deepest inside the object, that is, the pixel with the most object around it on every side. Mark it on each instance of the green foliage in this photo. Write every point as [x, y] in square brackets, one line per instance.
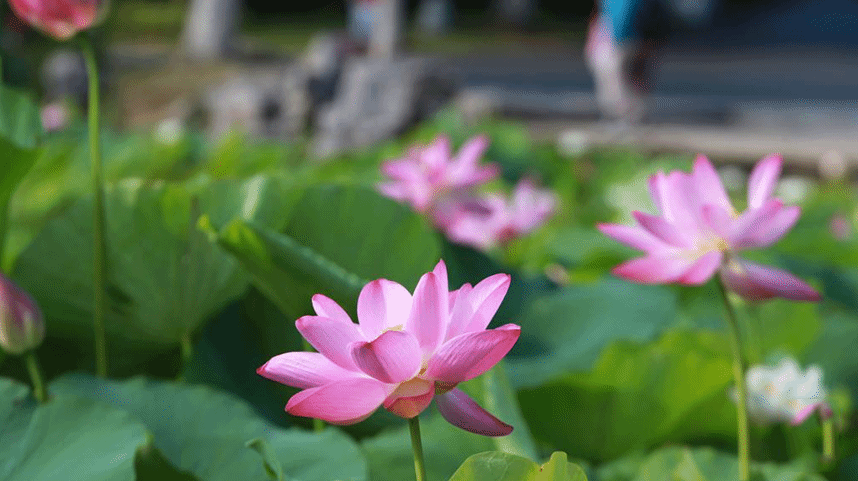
[697, 464]
[566, 331]
[70, 437]
[500, 466]
[164, 278]
[637, 396]
[336, 239]
[20, 129]
[205, 432]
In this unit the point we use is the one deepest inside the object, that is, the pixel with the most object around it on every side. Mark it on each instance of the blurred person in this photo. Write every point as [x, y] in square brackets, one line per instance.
[435, 17]
[362, 15]
[623, 39]
[378, 24]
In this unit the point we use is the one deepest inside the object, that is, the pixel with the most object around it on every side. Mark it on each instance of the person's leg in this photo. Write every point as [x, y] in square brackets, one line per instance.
[613, 54]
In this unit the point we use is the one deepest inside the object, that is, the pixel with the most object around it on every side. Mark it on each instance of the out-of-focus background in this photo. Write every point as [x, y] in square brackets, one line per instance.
[733, 78]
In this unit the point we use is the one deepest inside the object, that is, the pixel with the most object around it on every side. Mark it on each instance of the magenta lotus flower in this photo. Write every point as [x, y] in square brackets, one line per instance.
[699, 233]
[22, 327]
[430, 173]
[487, 221]
[61, 19]
[405, 351]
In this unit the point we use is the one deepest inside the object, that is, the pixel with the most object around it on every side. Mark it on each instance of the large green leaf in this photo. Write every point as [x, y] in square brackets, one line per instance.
[164, 277]
[698, 464]
[637, 396]
[567, 331]
[287, 272]
[336, 239]
[20, 129]
[365, 233]
[20, 121]
[68, 438]
[500, 466]
[205, 432]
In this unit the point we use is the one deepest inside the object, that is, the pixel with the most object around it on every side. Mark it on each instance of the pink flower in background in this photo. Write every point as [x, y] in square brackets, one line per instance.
[61, 19]
[492, 219]
[839, 227]
[404, 352]
[54, 116]
[432, 172]
[699, 233]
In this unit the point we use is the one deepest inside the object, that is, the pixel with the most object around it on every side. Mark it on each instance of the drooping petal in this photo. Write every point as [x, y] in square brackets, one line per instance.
[763, 179]
[327, 307]
[484, 300]
[467, 356]
[382, 304]
[331, 338]
[772, 228]
[655, 269]
[393, 357]
[756, 283]
[709, 185]
[429, 312]
[634, 237]
[703, 269]
[304, 370]
[662, 229]
[460, 410]
[344, 402]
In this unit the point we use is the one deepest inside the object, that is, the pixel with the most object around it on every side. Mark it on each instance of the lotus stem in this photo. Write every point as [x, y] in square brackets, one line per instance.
[744, 448]
[99, 248]
[36, 377]
[417, 447]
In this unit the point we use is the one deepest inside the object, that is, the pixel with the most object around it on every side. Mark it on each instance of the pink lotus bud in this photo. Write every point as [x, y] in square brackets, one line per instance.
[22, 327]
[60, 19]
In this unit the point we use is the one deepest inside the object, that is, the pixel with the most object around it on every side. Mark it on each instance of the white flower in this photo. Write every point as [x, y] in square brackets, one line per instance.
[783, 393]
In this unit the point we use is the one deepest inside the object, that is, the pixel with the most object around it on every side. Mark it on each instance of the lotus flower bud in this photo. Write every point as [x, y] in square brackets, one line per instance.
[60, 19]
[22, 327]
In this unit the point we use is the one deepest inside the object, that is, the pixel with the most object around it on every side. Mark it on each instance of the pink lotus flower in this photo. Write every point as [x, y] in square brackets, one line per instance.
[490, 220]
[699, 233]
[22, 327]
[61, 19]
[430, 173]
[406, 351]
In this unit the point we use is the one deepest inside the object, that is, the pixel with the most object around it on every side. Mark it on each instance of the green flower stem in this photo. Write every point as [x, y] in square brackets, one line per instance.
[4, 227]
[417, 447]
[36, 376]
[741, 388]
[827, 441]
[99, 250]
[318, 425]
